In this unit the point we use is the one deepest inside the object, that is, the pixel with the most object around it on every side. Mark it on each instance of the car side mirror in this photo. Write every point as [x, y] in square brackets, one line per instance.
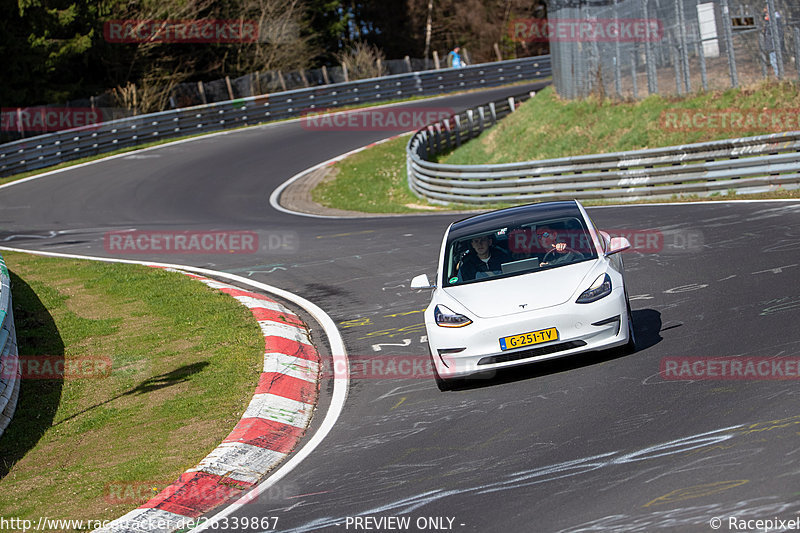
[618, 244]
[421, 282]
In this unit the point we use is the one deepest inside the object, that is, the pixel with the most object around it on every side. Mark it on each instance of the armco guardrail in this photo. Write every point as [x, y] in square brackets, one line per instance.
[9, 363]
[752, 164]
[46, 150]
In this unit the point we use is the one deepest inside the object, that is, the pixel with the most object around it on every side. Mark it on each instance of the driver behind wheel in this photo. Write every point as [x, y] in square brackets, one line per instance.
[557, 252]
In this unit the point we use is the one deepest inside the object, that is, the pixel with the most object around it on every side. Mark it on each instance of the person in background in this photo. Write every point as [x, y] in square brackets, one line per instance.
[454, 58]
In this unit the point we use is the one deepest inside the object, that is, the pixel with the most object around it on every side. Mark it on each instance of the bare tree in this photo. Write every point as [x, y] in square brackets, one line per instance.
[361, 61]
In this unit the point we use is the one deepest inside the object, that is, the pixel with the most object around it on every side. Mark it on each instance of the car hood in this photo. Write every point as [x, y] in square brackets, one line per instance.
[537, 290]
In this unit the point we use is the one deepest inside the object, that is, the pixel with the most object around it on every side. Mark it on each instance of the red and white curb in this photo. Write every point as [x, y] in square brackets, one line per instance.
[272, 425]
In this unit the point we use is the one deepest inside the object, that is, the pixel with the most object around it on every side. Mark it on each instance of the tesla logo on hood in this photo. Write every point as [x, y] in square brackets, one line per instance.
[523, 305]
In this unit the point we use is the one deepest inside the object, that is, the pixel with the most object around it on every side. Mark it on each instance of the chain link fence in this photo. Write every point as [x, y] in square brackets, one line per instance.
[633, 48]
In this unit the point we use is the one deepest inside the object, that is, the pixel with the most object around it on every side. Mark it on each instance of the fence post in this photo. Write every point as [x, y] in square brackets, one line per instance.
[617, 58]
[633, 74]
[257, 84]
[684, 51]
[202, 91]
[776, 42]
[283, 83]
[230, 89]
[20, 129]
[797, 50]
[325, 75]
[652, 74]
[408, 63]
[701, 56]
[346, 77]
[303, 76]
[497, 52]
[673, 47]
[436, 60]
[728, 38]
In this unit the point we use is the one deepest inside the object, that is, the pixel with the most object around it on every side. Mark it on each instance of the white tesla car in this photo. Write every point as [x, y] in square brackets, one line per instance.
[525, 284]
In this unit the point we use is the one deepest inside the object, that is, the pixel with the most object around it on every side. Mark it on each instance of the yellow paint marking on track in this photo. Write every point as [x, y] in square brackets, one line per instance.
[354, 322]
[770, 425]
[404, 314]
[697, 491]
[398, 403]
[392, 332]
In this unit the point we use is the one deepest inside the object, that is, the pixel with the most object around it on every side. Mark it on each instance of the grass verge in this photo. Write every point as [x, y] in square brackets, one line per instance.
[544, 127]
[184, 363]
[371, 181]
[548, 127]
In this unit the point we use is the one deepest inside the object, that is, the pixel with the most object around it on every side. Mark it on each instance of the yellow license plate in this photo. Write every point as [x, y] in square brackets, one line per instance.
[528, 339]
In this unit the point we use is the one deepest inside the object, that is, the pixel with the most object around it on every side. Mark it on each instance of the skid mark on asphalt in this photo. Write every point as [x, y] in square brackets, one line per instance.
[597, 470]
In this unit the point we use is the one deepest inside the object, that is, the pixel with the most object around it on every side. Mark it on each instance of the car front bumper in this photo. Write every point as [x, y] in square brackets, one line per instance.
[475, 348]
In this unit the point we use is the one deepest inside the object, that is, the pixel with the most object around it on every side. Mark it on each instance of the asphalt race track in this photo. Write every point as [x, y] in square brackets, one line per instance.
[596, 443]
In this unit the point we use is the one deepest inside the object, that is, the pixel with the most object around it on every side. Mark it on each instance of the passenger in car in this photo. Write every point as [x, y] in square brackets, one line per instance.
[484, 258]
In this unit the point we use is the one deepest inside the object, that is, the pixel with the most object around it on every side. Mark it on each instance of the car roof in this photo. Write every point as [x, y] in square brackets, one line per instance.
[512, 216]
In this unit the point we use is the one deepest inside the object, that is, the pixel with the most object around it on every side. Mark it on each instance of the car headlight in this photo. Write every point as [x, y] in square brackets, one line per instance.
[448, 319]
[599, 289]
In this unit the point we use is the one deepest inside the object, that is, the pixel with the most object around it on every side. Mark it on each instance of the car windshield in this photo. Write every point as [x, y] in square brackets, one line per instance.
[514, 250]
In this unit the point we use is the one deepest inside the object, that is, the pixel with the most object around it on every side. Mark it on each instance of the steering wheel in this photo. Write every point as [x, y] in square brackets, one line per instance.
[553, 251]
